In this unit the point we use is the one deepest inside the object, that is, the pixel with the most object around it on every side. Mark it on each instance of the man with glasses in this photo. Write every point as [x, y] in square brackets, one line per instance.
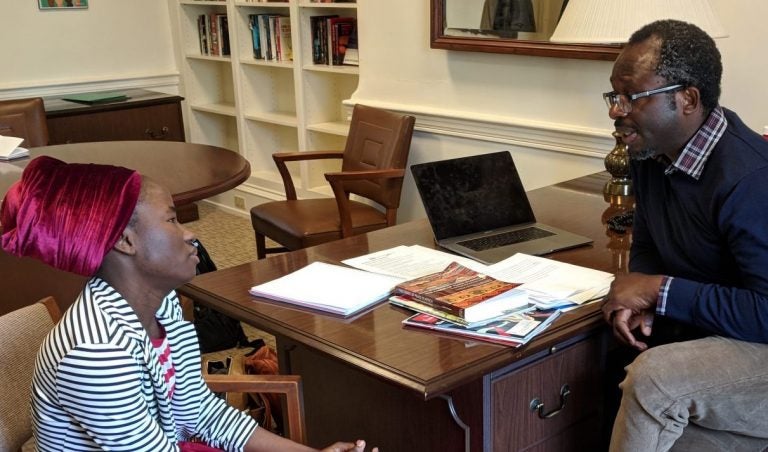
[699, 253]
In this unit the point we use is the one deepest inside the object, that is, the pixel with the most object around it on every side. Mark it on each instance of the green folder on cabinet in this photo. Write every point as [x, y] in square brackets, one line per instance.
[96, 98]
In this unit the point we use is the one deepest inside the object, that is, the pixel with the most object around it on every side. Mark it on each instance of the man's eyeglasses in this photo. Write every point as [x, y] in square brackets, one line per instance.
[624, 101]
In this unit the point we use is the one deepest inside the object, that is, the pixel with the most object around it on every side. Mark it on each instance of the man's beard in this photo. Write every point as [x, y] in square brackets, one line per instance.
[643, 154]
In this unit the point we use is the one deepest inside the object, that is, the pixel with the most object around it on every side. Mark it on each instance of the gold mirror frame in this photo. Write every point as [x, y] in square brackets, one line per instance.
[439, 40]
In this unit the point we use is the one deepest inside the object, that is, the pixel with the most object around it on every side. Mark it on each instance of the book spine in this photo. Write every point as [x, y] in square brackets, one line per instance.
[431, 302]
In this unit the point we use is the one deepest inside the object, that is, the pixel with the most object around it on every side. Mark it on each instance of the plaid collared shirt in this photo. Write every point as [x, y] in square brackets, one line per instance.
[694, 156]
[691, 161]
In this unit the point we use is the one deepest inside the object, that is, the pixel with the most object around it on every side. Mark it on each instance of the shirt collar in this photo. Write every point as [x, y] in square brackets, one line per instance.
[695, 154]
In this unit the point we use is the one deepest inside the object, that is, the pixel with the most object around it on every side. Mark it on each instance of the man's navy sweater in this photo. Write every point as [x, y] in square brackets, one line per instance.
[710, 234]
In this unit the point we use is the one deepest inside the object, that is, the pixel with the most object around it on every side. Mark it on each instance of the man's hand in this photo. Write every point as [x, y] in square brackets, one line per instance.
[631, 304]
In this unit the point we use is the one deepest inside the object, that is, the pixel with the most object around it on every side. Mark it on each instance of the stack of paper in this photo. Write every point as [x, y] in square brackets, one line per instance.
[549, 283]
[9, 148]
[332, 288]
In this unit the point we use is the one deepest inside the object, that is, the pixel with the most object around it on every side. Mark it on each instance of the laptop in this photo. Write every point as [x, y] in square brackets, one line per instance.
[477, 207]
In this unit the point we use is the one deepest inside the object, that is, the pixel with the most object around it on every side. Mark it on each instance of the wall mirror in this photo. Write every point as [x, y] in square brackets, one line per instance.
[507, 26]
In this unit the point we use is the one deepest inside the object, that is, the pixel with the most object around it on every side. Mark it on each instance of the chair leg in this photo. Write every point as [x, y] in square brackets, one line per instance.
[261, 246]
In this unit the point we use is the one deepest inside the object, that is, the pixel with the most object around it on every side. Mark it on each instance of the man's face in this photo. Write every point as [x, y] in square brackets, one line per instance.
[651, 127]
[164, 247]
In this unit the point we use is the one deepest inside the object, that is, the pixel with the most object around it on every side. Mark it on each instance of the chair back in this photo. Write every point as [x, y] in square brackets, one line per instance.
[24, 118]
[22, 333]
[378, 139]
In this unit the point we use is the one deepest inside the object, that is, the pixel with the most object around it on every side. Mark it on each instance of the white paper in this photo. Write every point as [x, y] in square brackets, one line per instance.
[411, 262]
[547, 280]
[9, 148]
[332, 288]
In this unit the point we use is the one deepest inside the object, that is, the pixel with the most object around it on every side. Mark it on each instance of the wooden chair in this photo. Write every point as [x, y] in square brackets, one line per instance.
[373, 167]
[22, 332]
[24, 118]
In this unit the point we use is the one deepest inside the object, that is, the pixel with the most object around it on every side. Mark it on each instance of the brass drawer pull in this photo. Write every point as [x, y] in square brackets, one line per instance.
[157, 136]
[538, 406]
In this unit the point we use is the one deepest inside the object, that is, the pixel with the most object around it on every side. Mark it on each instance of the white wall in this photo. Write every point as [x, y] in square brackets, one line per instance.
[112, 44]
[546, 111]
[517, 94]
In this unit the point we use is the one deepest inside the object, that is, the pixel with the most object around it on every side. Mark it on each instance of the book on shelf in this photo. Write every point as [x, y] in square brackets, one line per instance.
[213, 34]
[253, 24]
[340, 29]
[352, 54]
[318, 27]
[284, 38]
[512, 330]
[411, 304]
[334, 289]
[464, 293]
[271, 37]
[10, 150]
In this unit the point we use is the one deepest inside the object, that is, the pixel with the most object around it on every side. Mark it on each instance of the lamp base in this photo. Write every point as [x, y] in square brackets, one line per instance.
[618, 186]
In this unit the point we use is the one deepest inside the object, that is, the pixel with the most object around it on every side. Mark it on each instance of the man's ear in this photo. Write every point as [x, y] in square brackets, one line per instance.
[691, 100]
[126, 243]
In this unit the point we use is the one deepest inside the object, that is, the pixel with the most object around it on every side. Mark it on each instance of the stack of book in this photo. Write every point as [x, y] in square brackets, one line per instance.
[331, 36]
[213, 33]
[271, 37]
[462, 302]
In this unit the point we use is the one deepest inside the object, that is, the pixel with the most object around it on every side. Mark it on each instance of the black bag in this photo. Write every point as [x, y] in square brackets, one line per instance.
[215, 331]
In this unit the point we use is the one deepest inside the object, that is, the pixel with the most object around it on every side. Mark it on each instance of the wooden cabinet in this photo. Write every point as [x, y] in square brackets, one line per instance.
[146, 115]
[568, 384]
[258, 107]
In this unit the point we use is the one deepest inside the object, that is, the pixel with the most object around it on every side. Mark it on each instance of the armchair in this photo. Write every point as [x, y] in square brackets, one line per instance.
[24, 118]
[24, 330]
[373, 167]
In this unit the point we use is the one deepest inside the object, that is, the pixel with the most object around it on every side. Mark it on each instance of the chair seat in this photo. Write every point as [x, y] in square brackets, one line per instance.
[309, 222]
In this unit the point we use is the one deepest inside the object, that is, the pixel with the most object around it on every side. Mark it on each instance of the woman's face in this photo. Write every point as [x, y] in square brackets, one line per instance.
[164, 249]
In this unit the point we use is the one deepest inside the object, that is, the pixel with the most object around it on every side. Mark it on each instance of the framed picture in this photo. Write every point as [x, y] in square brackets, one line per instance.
[63, 4]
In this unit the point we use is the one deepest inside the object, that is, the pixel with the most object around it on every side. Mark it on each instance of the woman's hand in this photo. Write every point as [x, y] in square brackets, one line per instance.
[357, 446]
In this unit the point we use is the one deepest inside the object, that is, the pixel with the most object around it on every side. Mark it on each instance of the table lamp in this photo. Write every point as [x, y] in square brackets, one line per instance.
[612, 22]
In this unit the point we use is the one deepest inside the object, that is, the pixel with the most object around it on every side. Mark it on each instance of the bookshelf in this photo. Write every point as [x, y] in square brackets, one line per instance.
[257, 106]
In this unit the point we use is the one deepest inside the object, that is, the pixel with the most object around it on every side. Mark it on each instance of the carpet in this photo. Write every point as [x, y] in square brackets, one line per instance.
[230, 241]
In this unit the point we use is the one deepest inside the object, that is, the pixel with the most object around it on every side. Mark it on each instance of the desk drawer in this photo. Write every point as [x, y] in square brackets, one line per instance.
[516, 427]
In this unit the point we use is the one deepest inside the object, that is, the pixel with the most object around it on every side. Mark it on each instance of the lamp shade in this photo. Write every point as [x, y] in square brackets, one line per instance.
[613, 21]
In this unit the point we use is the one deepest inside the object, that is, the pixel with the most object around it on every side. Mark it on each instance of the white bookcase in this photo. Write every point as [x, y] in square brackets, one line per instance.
[257, 107]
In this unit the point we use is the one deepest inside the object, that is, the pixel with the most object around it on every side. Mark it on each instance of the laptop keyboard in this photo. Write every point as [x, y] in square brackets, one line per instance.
[505, 238]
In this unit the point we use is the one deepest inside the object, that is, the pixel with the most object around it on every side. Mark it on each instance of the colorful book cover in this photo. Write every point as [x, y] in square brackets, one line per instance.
[409, 303]
[465, 293]
[513, 330]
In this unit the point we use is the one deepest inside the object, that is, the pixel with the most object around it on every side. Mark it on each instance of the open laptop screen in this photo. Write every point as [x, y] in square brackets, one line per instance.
[472, 194]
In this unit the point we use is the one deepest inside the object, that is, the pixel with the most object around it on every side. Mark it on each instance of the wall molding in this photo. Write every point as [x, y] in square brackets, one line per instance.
[168, 82]
[548, 136]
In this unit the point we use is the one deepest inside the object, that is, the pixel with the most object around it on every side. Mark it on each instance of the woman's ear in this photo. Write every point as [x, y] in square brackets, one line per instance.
[125, 244]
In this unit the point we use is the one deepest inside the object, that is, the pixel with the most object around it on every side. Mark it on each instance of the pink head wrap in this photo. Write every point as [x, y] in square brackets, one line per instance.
[68, 215]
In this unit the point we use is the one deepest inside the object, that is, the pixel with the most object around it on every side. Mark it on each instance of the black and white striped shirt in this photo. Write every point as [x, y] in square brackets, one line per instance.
[98, 383]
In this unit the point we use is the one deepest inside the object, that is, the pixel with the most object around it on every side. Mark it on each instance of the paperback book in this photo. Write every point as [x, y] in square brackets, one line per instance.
[513, 330]
[464, 293]
[409, 303]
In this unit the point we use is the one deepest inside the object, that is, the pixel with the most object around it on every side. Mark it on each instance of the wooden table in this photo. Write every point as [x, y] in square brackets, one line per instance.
[411, 390]
[191, 172]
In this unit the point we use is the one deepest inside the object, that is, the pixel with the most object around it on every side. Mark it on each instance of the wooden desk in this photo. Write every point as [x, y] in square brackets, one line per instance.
[369, 378]
[191, 172]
